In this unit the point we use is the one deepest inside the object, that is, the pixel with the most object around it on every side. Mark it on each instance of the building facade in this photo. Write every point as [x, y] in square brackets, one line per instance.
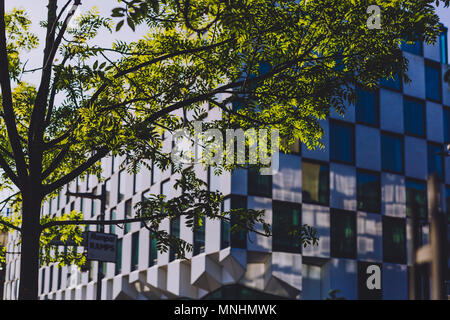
[358, 192]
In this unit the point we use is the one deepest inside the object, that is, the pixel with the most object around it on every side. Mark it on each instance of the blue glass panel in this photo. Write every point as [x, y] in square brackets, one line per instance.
[416, 199]
[391, 153]
[392, 83]
[435, 160]
[414, 115]
[443, 46]
[368, 192]
[433, 82]
[341, 142]
[367, 107]
[415, 48]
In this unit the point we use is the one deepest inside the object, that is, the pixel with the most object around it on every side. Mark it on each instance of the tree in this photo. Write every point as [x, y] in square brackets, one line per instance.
[92, 102]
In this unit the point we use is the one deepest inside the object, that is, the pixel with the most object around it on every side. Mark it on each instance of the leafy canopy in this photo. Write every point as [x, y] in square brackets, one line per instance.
[281, 64]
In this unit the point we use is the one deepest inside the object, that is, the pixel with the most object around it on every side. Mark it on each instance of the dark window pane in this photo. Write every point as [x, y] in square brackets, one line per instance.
[237, 239]
[392, 153]
[121, 186]
[446, 125]
[175, 232]
[414, 117]
[128, 215]
[447, 203]
[443, 46]
[435, 160]
[285, 220]
[368, 191]
[433, 81]
[94, 203]
[153, 251]
[315, 183]
[414, 48]
[108, 191]
[341, 142]
[394, 240]
[119, 257]
[343, 234]
[112, 228]
[135, 251]
[199, 237]
[258, 184]
[392, 83]
[367, 107]
[416, 199]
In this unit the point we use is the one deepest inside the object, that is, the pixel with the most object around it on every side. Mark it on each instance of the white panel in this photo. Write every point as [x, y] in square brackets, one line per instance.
[342, 187]
[319, 218]
[370, 240]
[393, 195]
[257, 242]
[391, 111]
[287, 183]
[416, 72]
[368, 148]
[394, 282]
[319, 154]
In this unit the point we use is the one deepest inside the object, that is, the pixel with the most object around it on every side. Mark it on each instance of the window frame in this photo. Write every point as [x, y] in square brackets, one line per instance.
[377, 110]
[375, 173]
[352, 143]
[320, 163]
[424, 118]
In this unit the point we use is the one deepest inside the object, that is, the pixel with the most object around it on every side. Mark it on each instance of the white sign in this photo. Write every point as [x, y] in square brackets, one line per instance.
[101, 246]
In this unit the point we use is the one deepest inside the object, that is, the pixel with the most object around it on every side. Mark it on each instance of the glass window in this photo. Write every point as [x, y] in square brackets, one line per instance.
[394, 240]
[446, 125]
[367, 107]
[94, 203]
[342, 142]
[128, 215]
[391, 153]
[285, 221]
[135, 251]
[153, 251]
[121, 186]
[42, 280]
[414, 48]
[343, 234]
[119, 257]
[368, 191]
[50, 280]
[59, 278]
[443, 46]
[447, 202]
[258, 184]
[392, 83]
[433, 81]
[315, 183]
[199, 237]
[112, 228]
[414, 117]
[175, 232]
[108, 191]
[416, 199]
[435, 160]
[237, 239]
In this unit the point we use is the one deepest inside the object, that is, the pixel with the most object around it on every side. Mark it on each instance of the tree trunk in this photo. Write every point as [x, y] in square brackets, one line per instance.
[29, 258]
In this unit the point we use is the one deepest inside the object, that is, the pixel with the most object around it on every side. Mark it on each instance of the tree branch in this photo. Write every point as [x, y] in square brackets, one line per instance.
[9, 225]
